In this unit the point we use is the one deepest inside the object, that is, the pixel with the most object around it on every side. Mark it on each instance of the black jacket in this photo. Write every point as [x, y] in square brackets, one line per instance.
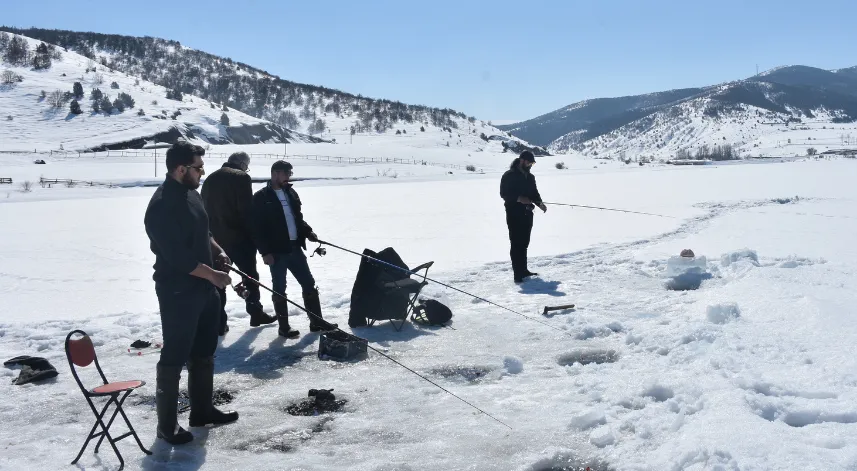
[228, 197]
[516, 183]
[177, 226]
[270, 231]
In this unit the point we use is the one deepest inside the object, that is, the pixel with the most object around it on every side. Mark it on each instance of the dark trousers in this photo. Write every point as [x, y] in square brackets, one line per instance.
[243, 257]
[295, 262]
[520, 225]
[189, 320]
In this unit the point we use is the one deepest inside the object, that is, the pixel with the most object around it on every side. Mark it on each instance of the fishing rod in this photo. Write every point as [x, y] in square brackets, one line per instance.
[258, 283]
[609, 209]
[442, 284]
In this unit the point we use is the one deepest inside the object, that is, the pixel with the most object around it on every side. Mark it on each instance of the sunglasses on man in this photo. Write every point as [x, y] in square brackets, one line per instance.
[199, 169]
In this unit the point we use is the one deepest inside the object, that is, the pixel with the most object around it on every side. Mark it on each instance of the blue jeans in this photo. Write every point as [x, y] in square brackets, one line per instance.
[295, 262]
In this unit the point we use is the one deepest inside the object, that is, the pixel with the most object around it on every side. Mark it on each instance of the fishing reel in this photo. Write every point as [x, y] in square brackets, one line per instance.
[321, 251]
[241, 290]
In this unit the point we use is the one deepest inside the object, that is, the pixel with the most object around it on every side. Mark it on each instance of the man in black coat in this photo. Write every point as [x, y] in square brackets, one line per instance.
[228, 197]
[281, 233]
[521, 196]
[186, 286]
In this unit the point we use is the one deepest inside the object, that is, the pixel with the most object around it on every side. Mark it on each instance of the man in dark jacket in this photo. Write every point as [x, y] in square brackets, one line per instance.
[520, 196]
[185, 283]
[228, 197]
[281, 233]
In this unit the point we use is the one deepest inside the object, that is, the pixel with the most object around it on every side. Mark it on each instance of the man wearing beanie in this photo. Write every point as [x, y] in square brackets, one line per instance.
[281, 233]
[520, 196]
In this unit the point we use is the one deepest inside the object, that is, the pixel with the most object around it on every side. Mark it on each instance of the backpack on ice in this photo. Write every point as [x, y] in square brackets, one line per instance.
[431, 312]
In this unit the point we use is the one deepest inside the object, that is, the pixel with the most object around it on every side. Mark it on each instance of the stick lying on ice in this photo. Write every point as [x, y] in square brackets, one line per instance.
[557, 308]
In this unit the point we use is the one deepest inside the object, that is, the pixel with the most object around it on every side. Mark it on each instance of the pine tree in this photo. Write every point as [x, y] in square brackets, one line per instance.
[117, 103]
[106, 104]
[16, 51]
[77, 90]
[224, 120]
[96, 94]
[42, 57]
[74, 107]
[126, 100]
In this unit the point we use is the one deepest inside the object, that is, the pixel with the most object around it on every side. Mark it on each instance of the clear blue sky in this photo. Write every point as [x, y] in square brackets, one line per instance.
[499, 59]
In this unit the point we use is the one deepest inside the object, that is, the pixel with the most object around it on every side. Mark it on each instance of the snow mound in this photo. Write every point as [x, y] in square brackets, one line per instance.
[723, 313]
[602, 436]
[588, 419]
[746, 255]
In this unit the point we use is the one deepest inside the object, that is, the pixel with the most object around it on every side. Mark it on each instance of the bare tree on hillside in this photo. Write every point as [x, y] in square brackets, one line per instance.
[56, 99]
[8, 76]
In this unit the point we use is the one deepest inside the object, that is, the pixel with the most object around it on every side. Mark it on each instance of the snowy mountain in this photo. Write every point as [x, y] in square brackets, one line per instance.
[745, 115]
[66, 102]
[579, 116]
[318, 111]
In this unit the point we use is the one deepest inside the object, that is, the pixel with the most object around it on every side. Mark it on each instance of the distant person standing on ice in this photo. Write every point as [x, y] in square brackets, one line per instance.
[281, 233]
[519, 192]
[228, 197]
[186, 285]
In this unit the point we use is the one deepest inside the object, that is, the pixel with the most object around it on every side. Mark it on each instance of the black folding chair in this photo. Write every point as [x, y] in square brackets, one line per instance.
[383, 292]
[81, 353]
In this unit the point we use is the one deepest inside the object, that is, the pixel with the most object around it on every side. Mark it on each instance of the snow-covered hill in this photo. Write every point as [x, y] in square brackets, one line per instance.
[36, 114]
[758, 119]
[318, 111]
[759, 116]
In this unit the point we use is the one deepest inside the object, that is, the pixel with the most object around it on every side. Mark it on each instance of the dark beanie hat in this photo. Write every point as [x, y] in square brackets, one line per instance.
[281, 165]
[528, 156]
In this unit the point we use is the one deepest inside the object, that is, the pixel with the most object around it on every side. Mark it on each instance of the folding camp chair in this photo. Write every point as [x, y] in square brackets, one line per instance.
[384, 292]
[81, 353]
[397, 291]
[399, 297]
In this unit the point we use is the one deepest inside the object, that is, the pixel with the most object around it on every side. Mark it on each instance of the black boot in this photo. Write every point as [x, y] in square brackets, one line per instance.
[167, 403]
[200, 388]
[281, 307]
[258, 316]
[313, 305]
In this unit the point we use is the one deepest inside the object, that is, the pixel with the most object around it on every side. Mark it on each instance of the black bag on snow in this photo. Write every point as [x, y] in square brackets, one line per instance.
[431, 312]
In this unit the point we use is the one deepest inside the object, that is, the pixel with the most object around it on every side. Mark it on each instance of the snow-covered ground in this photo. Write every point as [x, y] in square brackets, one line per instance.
[749, 372]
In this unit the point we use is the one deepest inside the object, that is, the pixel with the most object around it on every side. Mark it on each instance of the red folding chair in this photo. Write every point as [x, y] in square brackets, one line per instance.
[81, 353]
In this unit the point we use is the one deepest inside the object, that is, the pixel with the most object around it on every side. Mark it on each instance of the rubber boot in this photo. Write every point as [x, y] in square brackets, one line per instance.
[281, 307]
[167, 403]
[313, 306]
[258, 316]
[200, 388]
